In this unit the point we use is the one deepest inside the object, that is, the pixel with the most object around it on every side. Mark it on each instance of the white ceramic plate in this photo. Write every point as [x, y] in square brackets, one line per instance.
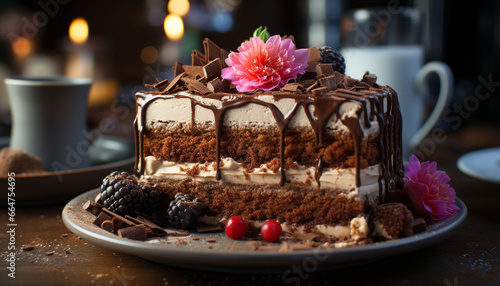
[107, 154]
[196, 254]
[481, 164]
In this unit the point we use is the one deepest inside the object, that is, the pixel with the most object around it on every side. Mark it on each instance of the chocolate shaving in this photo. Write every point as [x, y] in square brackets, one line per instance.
[195, 86]
[350, 82]
[173, 83]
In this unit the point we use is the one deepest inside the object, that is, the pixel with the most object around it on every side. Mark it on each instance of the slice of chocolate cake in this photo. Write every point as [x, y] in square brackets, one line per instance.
[317, 154]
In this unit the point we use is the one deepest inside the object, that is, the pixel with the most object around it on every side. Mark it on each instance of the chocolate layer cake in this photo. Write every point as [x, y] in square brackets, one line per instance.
[317, 155]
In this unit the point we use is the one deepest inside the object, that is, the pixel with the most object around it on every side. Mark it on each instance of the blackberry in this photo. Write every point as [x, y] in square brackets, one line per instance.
[331, 56]
[184, 211]
[151, 198]
[121, 194]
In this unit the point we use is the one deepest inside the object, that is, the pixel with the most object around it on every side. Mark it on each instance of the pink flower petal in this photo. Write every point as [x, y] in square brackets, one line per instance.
[265, 66]
[428, 189]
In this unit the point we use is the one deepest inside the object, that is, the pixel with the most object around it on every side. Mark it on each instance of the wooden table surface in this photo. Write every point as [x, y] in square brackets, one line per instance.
[470, 257]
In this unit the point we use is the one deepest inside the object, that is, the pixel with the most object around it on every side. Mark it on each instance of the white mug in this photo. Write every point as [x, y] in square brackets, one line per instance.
[401, 67]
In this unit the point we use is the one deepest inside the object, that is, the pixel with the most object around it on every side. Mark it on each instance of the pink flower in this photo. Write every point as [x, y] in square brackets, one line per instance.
[266, 66]
[428, 189]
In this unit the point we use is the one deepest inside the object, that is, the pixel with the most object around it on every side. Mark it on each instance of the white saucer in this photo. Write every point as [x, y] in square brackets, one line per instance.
[481, 164]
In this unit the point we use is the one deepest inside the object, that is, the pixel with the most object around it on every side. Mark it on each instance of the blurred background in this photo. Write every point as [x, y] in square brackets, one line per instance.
[123, 45]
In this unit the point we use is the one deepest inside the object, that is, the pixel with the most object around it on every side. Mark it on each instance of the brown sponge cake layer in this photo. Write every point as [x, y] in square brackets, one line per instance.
[288, 204]
[256, 146]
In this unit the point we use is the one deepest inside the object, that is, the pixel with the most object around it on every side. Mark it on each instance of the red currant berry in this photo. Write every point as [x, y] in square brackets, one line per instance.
[271, 231]
[236, 227]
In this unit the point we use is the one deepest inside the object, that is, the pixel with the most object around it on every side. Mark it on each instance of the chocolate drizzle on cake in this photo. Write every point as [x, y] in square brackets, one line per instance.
[321, 94]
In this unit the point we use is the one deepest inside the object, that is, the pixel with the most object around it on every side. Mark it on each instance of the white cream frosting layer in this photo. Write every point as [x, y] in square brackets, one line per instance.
[179, 111]
[234, 173]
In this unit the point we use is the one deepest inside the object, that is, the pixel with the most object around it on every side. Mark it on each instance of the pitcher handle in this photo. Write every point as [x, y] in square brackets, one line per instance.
[444, 99]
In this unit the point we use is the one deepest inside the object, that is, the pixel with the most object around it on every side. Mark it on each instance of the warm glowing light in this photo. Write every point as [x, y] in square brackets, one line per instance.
[79, 31]
[149, 54]
[174, 27]
[22, 47]
[179, 7]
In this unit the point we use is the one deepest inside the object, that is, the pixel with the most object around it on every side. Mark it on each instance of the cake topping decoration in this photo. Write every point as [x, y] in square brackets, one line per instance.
[428, 189]
[265, 65]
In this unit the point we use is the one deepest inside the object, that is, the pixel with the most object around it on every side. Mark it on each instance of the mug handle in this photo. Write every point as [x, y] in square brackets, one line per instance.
[444, 99]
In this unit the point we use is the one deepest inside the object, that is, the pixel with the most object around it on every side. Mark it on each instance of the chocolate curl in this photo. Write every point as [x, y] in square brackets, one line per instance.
[173, 83]
[212, 52]
[137, 232]
[324, 69]
[108, 225]
[197, 58]
[178, 68]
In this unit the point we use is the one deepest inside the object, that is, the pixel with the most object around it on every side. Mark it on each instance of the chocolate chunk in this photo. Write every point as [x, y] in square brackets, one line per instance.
[369, 78]
[101, 218]
[151, 228]
[326, 69]
[328, 82]
[216, 85]
[419, 225]
[212, 69]
[137, 232]
[92, 207]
